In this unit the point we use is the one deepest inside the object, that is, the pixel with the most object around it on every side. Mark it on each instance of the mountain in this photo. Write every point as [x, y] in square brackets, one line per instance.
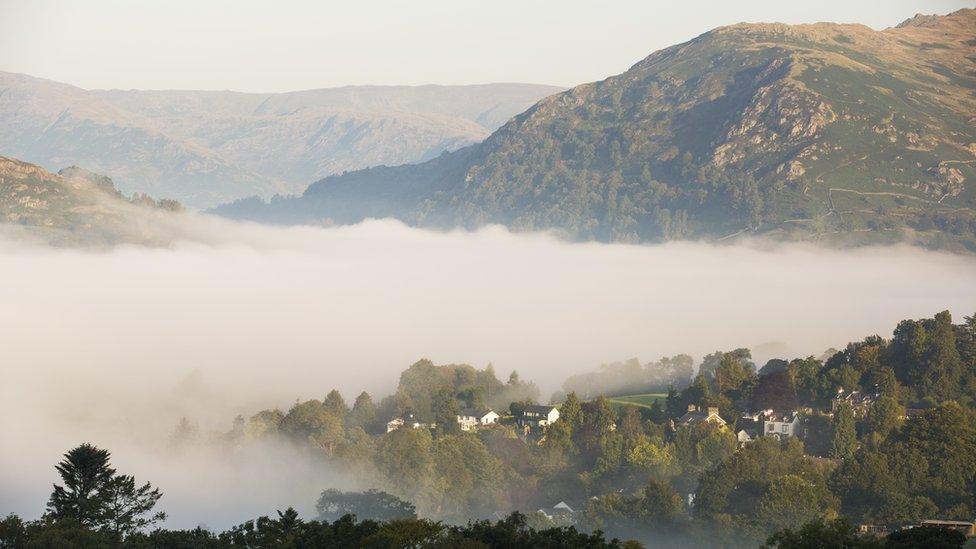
[77, 207]
[205, 148]
[832, 132]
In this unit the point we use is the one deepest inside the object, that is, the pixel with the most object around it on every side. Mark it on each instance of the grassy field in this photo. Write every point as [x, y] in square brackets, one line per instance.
[643, 401]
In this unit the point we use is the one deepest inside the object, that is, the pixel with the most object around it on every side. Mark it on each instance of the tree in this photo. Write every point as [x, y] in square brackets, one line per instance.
[446, 410]
[371, 504]
[884, 416]
[791, 499]
[404, 458]
[819, 534]
[774, 391]
[673, 406]
[660, 503]
[13, 532]
[571, 411]
[128, 505]
[467, 477]
[805, 373]
[599, 419]
[843, 441]
[335, 404]
[649, 455]
[907, 350]
[930, 537]
[731, 377]
[264, 423]
[941, 364]
[86, 473]
[363, 413]
[94, 497]
[310, 422]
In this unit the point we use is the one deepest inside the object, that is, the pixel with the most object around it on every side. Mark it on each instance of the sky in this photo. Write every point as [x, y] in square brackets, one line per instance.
[261, 46]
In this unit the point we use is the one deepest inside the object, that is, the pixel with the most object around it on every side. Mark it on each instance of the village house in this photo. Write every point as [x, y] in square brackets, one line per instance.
[471, 419]
[398, 422]
[747, 430]
[695, 416]
[859, 401]
[536, 415]
[779, 424]
[561, 510]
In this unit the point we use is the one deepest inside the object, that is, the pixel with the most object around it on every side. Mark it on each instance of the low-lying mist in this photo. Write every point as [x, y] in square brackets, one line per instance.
[113, 347]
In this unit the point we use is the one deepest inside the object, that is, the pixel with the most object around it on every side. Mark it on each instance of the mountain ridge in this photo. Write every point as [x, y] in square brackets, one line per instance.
[206, 148]
[822, 131]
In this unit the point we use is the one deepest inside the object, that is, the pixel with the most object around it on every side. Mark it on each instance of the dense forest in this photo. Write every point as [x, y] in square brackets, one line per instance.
[877, 438]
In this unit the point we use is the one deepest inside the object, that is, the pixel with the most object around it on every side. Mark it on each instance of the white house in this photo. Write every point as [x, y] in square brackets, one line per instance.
[559, 510]
[471, 419]
[398, 422]
[781, 425]
[536, 415]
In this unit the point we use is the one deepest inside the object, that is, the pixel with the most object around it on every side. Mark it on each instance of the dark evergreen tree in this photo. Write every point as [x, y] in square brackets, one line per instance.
[86, 474]
[128, 506]
[843, 441]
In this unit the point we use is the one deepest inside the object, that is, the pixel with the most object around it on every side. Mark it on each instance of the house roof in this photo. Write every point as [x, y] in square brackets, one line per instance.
[476, 412]
[781, 417]
[539, 408]
[856, 398]
[700, 416]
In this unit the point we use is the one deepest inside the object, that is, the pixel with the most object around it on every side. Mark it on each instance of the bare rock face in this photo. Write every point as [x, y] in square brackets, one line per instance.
[76, 207]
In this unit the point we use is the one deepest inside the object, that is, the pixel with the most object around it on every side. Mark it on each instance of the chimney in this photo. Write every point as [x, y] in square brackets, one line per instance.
[712, 410]
[692, 408]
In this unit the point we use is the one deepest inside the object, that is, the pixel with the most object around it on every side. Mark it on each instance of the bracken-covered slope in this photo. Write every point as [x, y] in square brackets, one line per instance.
[76, 207]
[826, 131]
[207, 147]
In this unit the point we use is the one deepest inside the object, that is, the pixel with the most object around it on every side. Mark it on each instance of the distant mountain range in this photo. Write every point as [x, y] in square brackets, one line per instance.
[76, 207]
[830, 132]
[206, 148]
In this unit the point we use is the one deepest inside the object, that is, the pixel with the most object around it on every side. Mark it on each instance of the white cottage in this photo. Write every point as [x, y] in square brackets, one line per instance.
[471, 419]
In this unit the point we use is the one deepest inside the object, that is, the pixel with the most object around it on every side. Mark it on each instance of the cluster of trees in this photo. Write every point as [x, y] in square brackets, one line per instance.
[94, 506]
[639, 473]
[632, 473]
[840, 533]
[288, 531]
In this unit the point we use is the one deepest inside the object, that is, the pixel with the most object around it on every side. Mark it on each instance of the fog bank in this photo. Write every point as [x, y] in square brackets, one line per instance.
[113, 347]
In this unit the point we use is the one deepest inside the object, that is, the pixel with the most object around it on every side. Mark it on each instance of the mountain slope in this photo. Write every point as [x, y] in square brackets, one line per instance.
[822, 131]
[205, 148]
[76, 207]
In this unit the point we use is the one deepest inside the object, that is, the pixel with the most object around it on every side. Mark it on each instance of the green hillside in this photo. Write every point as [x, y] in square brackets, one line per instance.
[641, 401]
[825, 132]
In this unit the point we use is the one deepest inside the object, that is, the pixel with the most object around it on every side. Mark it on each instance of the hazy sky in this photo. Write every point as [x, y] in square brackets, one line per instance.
[287, 45]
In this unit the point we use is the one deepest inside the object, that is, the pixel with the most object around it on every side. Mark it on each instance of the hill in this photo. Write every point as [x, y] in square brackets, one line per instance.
[76, 207]
[205, 148]
[828, 131]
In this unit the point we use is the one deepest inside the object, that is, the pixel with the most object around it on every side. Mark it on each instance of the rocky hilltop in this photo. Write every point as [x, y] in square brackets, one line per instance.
[827, 132]
[204, 148]
[75, 207]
